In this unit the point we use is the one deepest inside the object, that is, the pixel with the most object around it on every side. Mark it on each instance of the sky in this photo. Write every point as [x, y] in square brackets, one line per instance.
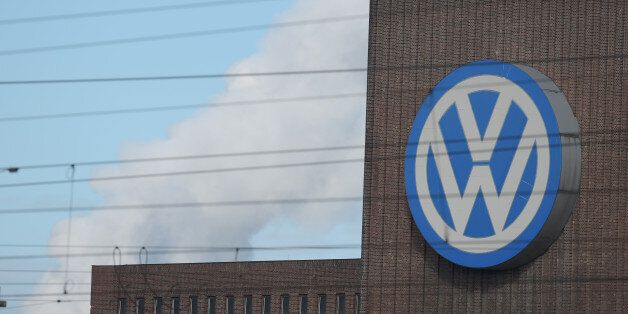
[267, 126]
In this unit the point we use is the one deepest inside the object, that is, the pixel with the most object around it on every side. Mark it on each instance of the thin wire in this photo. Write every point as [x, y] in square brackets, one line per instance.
[209, 248]
[69, 232]
[256, 167]
[70, 16]
[346, 199]
[49, 300]
[43, 271]
[268, 248]
[209, 32]
[184, 251]
[183, 173]
[247, 153]
[181, 107]
[28, 305]
[149, 246]
[43, 302]
[172, 206]
[166, 290]
[42, 283]
[312, 72]
[184, 107]
[184, 77]
[194, 277]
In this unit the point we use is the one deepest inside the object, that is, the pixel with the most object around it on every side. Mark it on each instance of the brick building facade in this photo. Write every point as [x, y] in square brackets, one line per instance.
[257, 285]
[581, 45]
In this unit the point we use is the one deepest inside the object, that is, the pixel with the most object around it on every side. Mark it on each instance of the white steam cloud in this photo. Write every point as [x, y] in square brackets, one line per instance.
[330, 122]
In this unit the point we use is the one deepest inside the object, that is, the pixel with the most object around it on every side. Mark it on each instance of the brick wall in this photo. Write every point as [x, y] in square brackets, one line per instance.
[582, 46]
[238, 279]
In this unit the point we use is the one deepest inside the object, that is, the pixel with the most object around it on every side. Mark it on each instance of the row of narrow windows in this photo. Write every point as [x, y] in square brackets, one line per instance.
[193, 308]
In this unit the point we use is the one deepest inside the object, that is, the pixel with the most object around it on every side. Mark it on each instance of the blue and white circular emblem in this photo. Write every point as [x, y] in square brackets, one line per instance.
[491, 165]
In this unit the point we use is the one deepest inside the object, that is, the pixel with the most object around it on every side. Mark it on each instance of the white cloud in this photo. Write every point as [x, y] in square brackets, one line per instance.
[248, 128]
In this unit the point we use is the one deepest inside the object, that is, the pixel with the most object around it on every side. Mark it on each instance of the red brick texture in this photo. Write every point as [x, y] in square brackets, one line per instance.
[238, 279]
[582, 46]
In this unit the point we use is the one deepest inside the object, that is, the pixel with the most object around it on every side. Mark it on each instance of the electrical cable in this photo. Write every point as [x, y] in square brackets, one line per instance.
[35, 304]
[267, 101]
[71, 16]
[180, 107]
[183, 173]
[28, 295]
[43, 271]
[183, 251]
[207, 248]
[243, 203]
[192, 34]
[178, 274]
[42, 283]
[50, 300]
[340, 287]
[268, 248]
[186, 205]
[167, 247]
[15, 169]
[304, 72]
[184, 77]
[258, 167]
[163, 275]
[193, 278]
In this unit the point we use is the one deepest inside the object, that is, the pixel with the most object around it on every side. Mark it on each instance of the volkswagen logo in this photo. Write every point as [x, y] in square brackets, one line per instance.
[492, 167]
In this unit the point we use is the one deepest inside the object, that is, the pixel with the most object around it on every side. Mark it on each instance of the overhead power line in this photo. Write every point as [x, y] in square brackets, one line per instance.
[309, 72]
[187, 157]
[322, 200]
[46, 300]
[183, 107]
[43, 271]
[41, 302]
[237, 103]
[202, 33]
[29, 305]
[261, 167]
[440, 243]
[71, 16]
[205, 247]
[189, 172]
[15, 169]
[187, 251]
[30, 295]
[234, 248]
[42, 283]
[186, 205]
[137, 247]
[163, 276]
[183, 77]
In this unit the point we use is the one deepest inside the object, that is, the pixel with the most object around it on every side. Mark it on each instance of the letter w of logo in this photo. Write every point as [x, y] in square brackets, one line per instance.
[483, 151]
